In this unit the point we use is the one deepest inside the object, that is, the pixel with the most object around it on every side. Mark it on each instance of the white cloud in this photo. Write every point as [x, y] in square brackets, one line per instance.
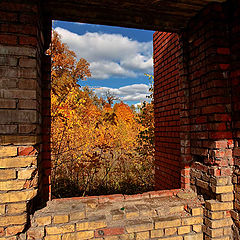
[110, 55]
[134, 92]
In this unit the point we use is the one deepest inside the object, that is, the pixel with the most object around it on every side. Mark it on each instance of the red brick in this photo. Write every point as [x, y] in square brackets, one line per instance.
[8, 39]
[26, 151]
[109, 231]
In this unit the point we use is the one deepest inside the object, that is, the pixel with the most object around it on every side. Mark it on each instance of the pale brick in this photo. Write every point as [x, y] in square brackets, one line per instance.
[60, 219]
[197, 228]
[53, 237]
[6, 174]
[196, 211]
[174, 238]
[127, 236]
[157, 233]
[138, 226]
[167, 222]
[26, 173]
[8, 151]
[16, 208]
[214, 205]
[12, 185]
[117, 214]
[222, 189]
[198, 236]
[192, 220]
[217, 232]
[220, 180]
[35, 233]
[184, 229]
[44, 220]
[17, 196]
[91, 225]
[17, 162]
[8, 103]
[2, 209]
[228, 197]
[218, 223]
[60, 229]
[13, 230]
[170, 231]
[77, 215]
[131, 212]
[111, 238]
[142, 235]
[11, 220]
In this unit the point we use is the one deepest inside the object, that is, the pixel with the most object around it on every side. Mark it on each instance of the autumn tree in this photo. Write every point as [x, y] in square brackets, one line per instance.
[95, 146]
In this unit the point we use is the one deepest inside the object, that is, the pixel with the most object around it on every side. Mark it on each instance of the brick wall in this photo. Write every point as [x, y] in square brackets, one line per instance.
[21, 50]
[166, 110]
[235, 83]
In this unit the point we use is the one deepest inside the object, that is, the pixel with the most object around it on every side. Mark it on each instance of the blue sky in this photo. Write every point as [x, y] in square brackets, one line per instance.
[118, 57]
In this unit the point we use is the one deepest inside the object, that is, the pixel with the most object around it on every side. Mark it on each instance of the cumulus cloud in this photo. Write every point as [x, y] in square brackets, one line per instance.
[110, 55]
[134, 92]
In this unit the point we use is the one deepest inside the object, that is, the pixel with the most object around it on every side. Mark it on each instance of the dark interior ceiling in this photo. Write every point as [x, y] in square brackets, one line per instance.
[163, 15]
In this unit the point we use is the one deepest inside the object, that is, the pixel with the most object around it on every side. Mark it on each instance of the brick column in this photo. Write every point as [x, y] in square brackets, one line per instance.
[210, 118]
[21, 50]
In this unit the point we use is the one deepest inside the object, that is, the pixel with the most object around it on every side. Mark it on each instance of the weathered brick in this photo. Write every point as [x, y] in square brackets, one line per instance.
[8, 103]
[18, 51]
[131, 212]
[167, 222]
[8, 129]
[217, 232]
[17, 162]
[53, 237]
[6, 174]
[43, 220]
[77, 215]
[60, 219]
[12, 185]
[2, 209]
[60, 229]
[198, 236]
[183, 230]
[8, 151]
[218, 223]
[170, 231]
[142, 235]
[222, 189]
[91, 225]
[214, 205]
[27, 104]
[20, 94]
[192, 220]
[228, 197]
[16, 208]
[138, 226]
[17, 196]
[27, 62]
[197, 228]
[19, 116]
[35, 233]
[13, 230]
[11, 220]
[157, 233]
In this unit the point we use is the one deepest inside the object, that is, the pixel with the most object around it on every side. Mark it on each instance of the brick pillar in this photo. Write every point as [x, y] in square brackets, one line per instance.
[210, 117]
[21, 50]
[235, 83]
[166, 110]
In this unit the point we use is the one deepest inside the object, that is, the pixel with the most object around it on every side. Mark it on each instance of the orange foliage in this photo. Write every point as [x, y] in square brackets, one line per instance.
[96, 148]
